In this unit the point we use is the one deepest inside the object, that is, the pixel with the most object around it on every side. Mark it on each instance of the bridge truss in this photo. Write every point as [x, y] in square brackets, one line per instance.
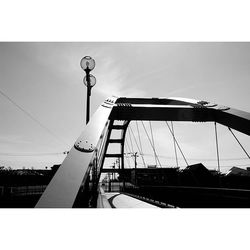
[79, 174]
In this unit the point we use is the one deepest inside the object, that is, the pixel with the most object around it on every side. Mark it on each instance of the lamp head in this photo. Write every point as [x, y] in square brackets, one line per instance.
[87, 63]
[92, 80]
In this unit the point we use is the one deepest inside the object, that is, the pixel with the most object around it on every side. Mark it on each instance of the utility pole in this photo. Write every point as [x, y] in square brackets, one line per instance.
[135, 155]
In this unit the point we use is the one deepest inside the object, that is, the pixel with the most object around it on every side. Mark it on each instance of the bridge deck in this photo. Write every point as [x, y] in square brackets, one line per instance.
[118, 200]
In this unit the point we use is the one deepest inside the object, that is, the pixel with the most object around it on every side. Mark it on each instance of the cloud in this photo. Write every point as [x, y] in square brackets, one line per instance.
[112, 80]
[181, 90]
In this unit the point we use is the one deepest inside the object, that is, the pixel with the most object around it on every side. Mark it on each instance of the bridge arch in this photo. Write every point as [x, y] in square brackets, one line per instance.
[89, 151]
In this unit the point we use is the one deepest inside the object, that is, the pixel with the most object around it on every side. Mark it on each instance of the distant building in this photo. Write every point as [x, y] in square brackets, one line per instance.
[155, 176]
[151, 166]
[236, 171]
[198, 175]
[214, 172]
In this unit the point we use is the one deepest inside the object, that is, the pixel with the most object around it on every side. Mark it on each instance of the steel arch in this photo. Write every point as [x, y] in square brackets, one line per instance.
[89, 151]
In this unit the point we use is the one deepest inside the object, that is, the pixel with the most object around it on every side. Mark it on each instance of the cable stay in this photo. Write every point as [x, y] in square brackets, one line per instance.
[177, 143]
[126, 149]
[141, 153]
[33, 118]
[217, 146]
[171, 129]
[172, 132]
[157, 158]
[138, 132]
[131, 142]
[239, 143]
[150, 125]
[175, 151]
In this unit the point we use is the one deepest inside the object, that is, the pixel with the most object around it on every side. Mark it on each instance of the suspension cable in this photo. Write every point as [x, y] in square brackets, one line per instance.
[151, 144]
[152, 139]
[138, 132]
[177, 143]
[131, 141]
[127, 146]
[128, 161]
[239, 142]
[172, 126]
[217, 146]
[141, 153]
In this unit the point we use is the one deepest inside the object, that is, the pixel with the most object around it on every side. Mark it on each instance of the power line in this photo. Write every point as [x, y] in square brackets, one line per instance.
[34, 154]
[199, 159]
[33, 118]
[207, 166]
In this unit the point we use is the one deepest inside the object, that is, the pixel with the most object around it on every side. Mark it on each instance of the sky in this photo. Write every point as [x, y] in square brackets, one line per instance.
[43, 98]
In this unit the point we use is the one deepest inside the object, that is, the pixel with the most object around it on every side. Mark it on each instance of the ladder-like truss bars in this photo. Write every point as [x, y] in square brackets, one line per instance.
[90, 147]
[63, 188]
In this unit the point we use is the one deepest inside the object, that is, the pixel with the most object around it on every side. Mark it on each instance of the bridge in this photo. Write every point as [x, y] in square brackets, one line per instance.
[75, 183]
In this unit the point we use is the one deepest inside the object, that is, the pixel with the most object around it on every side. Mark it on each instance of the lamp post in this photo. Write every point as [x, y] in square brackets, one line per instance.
[87, 64]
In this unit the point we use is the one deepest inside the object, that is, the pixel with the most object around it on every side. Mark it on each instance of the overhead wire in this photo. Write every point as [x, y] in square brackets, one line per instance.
[33, 118]
[201, 159]
[208, 166]
[34, 154]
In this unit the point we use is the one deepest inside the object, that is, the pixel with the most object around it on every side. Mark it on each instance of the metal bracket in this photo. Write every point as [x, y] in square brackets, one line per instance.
[110, 102]
[84, 146]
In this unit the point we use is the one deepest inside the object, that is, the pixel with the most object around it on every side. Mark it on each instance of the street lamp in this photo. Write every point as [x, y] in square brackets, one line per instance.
[87, 64]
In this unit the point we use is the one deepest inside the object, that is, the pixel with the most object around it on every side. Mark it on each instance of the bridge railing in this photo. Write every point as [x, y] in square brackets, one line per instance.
[195, 197]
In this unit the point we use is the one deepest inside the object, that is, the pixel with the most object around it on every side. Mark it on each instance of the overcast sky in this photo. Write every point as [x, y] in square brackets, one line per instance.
[45, 80]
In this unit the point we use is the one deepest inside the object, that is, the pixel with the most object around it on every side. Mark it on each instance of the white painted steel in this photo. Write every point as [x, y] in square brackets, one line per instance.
[62, 190]
[125, 201]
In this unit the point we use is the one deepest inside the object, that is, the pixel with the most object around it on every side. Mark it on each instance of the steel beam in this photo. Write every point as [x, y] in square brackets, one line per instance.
[63, 188]
[154, 113]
